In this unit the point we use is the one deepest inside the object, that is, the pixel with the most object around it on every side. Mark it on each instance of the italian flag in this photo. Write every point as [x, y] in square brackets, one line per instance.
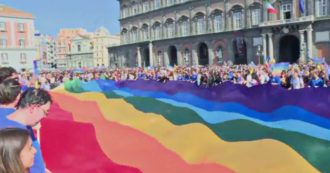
[270, 8]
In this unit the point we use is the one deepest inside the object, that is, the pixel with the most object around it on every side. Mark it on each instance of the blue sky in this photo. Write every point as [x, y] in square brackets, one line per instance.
[51, 15]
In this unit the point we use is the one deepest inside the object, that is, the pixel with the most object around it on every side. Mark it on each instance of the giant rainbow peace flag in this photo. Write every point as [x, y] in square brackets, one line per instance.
[177, 127]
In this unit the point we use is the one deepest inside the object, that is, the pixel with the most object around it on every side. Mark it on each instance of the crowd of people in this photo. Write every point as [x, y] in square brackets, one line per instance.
[24, 100]
[294, 77]
[20, 112]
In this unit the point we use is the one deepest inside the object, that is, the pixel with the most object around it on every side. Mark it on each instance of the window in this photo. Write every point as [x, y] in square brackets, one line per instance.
[255, 17]
[125, 12]
[169, 2]
[217, 22]
[321, 8]
[186, 57]
[237, 20]
[4, 58]
[23, 58]
[134, 8]
[144, 30]
[183, 25]
[219, 55]
[157, 31]
[159, 57]
[3, 42]
[21, 42]
[200, 23]
[20, 27]
[134, 35]
[286, 11]
[79, 48]
[2, 26]
[145, 6]
[169, 28]
[125, 36]
[157, 4]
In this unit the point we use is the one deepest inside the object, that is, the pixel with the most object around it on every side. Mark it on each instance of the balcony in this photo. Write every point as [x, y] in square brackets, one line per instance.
[287, 21]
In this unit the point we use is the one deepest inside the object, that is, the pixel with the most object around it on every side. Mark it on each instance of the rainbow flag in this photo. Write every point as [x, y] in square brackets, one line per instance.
[177, 127]
[265, 62]
[279, 67]
[271, 61]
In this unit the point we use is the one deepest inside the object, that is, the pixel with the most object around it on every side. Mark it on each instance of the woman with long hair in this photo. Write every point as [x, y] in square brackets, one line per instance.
[16, 151]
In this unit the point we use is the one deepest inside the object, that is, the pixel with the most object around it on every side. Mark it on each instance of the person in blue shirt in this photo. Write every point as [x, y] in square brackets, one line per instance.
[316, 81]
[32, 107]
[275, 79]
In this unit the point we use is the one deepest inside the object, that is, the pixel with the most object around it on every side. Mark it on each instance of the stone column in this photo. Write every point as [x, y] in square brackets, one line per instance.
[151, 54]
[179, 56]
[139, 59]
[309, 41]
[302, 57]
[211, 56]
[207, 18]
[194, 57]
[271, 48]
[264, 45]
[166, 58]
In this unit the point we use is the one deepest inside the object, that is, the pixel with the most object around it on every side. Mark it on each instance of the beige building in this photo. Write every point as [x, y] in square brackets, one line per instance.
[63, 45]
[81, 53]
[102, 39]
[202, 32]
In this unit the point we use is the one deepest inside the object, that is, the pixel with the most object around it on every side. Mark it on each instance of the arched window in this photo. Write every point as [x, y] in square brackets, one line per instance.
[186, 57]
[200, 25]
[237, 17]
[124, 36]
[159, 58]
[144, 32]
[135, 9]
[184, 26]
[157, 4]
[125, 11]
[255, 11]
[219, 55]
[169, 25]
[217, 21]
[156, 31]
[321, 7]
[134, 34]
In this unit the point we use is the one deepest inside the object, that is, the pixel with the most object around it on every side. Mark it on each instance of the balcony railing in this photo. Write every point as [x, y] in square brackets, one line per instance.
[211, 31]
[287, 21]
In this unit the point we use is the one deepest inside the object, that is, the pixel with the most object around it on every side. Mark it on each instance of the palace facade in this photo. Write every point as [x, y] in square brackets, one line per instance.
[202, 32]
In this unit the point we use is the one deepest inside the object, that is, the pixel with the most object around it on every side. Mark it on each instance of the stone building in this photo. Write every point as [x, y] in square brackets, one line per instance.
[101, 39]
[63, 45]
[200, 32]
[81, 53]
